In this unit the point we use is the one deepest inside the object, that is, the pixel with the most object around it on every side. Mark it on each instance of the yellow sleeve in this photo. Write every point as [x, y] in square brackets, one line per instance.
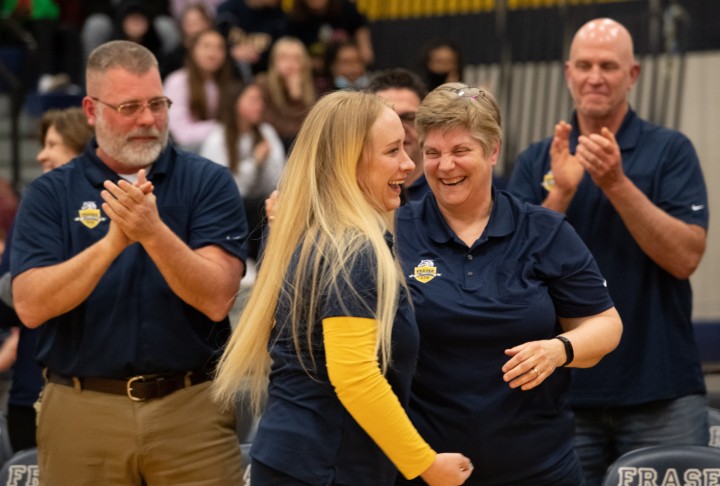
[354, 372]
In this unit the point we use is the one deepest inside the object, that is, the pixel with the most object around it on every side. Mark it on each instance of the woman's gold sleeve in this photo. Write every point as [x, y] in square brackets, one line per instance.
[354, 372]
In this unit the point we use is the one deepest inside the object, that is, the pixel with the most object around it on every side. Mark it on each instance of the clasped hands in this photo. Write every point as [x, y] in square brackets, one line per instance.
[598, 154]
[132, 209]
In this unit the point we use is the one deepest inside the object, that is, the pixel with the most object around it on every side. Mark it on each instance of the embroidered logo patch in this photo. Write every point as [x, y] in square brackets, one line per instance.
[90, 215]
[425, 271]
[549, 181]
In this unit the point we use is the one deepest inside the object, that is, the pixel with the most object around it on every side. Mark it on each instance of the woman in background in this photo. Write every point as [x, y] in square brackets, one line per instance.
[253, 152]
[288, 87]
[193, 20]
[196, 90]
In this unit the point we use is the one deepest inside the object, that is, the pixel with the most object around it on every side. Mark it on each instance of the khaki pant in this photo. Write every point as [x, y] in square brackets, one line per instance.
[89, 439]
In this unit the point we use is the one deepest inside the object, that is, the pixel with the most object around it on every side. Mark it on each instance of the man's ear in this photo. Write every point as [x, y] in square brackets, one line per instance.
[88, 106]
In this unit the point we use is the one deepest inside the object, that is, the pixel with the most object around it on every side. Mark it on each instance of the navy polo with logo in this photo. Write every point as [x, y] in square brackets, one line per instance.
[132, 322]
[471, 304]
[305, 432]
[657, 358]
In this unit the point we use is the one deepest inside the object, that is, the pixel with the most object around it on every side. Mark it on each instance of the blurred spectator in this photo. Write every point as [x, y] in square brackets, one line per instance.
[8, 204]
[105, 18]
[63, 135]
[288, 87]
[251, 27]
[196, 89]
[178, 7]
[319, 23]
[193, 20]
[441, 62]
[133, 21]
[345, 68]
[253, 152]
[53, 40]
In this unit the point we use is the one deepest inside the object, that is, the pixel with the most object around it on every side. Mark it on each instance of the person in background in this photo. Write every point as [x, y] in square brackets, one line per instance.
[507, 299]
[329, 318]
[150, 24]
[133, 21]
[197, 88]
[635, 193]
[405, 91]
[251, 27]
[288, 88]
[441, 62]
[345, 68]
[51, 38]
[319, 23]
[63, 136]
[146, 243]
[193, 20]
[178, 7]
[253, 152]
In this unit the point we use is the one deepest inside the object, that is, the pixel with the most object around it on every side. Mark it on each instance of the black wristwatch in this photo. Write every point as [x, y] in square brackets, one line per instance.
[568, 350]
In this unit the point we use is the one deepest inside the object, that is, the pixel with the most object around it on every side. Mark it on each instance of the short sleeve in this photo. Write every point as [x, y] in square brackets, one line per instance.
[354, 292]
[575, 284]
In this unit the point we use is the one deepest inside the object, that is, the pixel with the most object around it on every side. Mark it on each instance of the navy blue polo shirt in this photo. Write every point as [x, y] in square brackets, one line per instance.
[657, 358]
[305, 431]
[132, 322]
[417, 189]
[471, 304]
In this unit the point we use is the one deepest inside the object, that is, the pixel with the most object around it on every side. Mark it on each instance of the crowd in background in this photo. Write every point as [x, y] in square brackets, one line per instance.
[208, 51]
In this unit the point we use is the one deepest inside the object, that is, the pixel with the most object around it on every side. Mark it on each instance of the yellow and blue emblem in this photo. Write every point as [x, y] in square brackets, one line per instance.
[90, 215]
[425, 271]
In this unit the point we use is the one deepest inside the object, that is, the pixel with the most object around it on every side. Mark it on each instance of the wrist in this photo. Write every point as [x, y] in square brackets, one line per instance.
[569, 351]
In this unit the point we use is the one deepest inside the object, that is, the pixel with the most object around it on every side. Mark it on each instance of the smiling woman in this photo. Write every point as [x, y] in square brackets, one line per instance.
[329, 321]
[494, 281]
[63, 135]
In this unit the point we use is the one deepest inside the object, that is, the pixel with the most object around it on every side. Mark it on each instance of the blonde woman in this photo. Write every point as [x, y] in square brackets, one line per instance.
[289, 87]
[329, 320]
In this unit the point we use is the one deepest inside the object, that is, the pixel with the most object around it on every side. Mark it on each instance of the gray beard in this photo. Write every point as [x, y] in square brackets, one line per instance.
[131, 154]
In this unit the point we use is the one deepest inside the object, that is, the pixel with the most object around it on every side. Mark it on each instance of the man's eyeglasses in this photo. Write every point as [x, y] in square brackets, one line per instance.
[157, 106]
[467, 92]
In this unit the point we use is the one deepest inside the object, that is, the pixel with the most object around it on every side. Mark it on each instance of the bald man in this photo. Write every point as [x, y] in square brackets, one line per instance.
[635, 193]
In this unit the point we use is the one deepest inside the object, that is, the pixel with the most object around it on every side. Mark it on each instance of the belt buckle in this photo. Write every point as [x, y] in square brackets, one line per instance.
[129, 388]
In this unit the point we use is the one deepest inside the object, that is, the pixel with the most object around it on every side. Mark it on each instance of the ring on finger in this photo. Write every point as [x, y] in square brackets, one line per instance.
[535, 370]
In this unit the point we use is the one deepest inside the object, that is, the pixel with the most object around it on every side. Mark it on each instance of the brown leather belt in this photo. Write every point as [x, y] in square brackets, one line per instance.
[137, 388]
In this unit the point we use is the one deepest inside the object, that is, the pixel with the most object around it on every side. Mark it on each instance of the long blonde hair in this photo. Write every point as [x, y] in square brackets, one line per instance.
[323, 212]
[277, 85]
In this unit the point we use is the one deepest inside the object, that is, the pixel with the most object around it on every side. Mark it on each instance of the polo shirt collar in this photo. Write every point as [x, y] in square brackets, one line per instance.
[97, 172]
[502, 219]
[627, 136]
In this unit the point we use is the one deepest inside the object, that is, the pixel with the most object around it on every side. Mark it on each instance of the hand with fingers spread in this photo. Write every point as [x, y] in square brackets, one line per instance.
[567, 170]
[599, 154]
[131, 207]
[531, 363]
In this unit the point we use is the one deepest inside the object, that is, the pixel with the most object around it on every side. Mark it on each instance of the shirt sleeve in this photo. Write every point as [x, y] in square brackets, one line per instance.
[354, 372]
[524, 183]
[575, 283]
